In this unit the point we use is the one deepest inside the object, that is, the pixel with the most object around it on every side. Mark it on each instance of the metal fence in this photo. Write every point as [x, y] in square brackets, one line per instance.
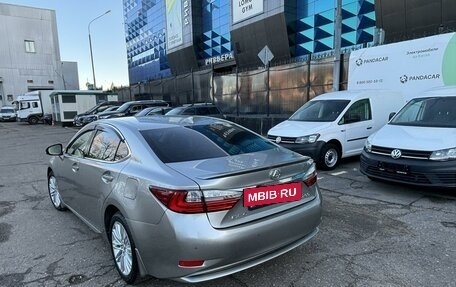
[258, 98]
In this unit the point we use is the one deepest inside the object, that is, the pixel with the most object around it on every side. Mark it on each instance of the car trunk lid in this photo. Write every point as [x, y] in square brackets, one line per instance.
[236, 173]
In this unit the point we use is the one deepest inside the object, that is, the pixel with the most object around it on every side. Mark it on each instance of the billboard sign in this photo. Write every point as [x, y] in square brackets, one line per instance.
[178, 18]
[244, 9]
[410, 66]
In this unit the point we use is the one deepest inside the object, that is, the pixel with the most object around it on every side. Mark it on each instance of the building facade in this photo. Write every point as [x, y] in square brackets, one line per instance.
[173, 37]
[177, 36]
[29, 52]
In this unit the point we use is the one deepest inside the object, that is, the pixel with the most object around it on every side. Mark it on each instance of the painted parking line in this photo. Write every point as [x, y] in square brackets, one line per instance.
[338, 173]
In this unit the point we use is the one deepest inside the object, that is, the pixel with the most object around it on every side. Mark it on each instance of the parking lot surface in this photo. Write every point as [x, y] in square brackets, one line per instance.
[372, 234]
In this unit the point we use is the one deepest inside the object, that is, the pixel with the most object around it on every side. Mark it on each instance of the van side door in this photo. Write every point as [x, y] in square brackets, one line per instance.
[357, 125]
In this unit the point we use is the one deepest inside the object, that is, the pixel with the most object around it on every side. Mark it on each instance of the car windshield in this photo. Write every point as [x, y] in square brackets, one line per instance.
[320, 111]
[6, 110]
[123, 107]
[176, 111]
[437, 112]
[199, 142]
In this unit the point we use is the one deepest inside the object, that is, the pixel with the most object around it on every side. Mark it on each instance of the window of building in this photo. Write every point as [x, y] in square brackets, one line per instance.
[30, 46]
[9, 98]
[68, 99]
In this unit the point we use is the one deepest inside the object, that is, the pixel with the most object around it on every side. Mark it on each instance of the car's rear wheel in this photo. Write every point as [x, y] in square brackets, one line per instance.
[54, 193]
[33, 120]
[123, 248]
[329, 157]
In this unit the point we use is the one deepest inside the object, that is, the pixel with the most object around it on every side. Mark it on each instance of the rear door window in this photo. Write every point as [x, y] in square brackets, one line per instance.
[104, 145]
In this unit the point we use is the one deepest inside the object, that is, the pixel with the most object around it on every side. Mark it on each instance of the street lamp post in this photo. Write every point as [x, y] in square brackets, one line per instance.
[90, 46]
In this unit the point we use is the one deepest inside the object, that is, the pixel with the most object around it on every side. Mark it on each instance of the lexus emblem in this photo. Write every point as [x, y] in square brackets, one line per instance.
[396, 154]
[274, 174]
[278, 140]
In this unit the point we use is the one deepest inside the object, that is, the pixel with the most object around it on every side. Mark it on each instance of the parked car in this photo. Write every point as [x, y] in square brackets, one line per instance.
[186, 198]
[90, 118]
[336, 125]
[418, 146]
[199, 109]
[99, 108]
[153, 111]
[7, 114]
[131, 108]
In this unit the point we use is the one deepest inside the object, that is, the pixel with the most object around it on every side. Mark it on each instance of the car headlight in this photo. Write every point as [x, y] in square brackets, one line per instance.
[307, 139]
[368, 146]
[444, 154]
[103, 117]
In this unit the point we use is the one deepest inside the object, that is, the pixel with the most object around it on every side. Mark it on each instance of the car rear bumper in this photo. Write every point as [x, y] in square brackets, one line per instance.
[409, 171]
[224, 251]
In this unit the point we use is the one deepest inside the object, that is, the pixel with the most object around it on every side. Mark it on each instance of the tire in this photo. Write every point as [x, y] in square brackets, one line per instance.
[329, 157]
[123, 248]
[54, 193]
[33, 120]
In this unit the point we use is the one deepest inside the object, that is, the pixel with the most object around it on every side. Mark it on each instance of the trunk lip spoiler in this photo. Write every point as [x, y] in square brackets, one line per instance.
[225, 174]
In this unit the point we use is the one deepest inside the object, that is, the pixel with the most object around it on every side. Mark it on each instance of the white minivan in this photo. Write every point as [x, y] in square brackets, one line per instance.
[418, 146]
[335, 125]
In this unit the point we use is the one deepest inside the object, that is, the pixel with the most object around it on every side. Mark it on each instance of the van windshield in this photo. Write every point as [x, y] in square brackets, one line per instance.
[437, 112]
[320, 111]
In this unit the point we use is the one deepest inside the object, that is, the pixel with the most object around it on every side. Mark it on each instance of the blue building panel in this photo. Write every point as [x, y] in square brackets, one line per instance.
[315, 24]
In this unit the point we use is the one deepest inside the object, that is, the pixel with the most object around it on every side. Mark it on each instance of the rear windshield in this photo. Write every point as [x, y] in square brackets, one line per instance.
[199, 142]
[320, 111]
[437, 112]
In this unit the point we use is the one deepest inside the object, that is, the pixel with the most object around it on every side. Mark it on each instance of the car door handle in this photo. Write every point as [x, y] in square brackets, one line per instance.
[369, 128]
[75, 167]
[107, 178]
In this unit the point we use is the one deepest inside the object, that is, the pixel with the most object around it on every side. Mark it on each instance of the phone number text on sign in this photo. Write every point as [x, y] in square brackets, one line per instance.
[272, 194]
[376, 81]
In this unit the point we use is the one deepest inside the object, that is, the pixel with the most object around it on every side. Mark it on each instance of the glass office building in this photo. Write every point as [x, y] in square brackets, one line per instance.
[166, 37]
[145, 33]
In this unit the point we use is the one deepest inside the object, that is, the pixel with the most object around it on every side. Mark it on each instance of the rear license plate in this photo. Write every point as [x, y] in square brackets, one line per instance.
[279, 193]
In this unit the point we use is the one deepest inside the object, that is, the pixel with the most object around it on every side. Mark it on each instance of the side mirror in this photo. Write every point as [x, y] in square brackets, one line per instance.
[391, 116]
[55, 150]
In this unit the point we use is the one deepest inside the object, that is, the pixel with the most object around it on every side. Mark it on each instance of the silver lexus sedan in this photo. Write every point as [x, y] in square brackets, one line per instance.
[185, 198]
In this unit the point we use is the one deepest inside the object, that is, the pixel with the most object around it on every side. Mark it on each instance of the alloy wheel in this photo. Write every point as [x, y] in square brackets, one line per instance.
[121, 248]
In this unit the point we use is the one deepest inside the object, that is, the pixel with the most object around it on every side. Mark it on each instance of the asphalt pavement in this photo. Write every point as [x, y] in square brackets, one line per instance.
[372, 233]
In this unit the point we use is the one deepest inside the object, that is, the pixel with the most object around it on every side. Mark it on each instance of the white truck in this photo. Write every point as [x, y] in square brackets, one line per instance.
[61, 106]
[32, 106]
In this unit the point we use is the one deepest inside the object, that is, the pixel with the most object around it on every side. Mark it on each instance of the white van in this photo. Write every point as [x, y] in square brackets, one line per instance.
[418, 146]
[336, 125]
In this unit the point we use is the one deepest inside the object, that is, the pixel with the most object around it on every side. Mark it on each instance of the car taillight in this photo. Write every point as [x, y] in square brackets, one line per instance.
[311, 180]
[193, 202]
[311, 175]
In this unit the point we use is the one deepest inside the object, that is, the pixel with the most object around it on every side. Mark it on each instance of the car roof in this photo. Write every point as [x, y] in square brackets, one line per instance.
[350, 94]
[158, 122]
[446, 91]
[199, 105]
